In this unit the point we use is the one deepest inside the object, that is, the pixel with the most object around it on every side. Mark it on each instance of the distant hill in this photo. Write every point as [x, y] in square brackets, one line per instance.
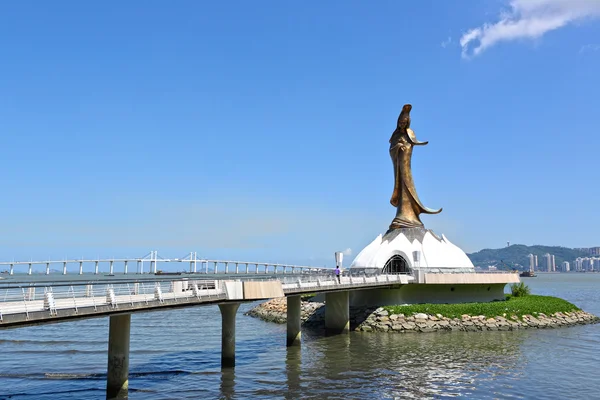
[516, 256]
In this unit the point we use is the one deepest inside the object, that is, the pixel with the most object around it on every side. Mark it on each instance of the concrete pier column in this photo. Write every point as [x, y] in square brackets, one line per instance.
[117, 376]
[294, 321]
[228, 312]
[337, 312]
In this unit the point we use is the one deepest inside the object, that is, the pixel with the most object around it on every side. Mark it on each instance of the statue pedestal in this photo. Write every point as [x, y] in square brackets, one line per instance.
[413, 251]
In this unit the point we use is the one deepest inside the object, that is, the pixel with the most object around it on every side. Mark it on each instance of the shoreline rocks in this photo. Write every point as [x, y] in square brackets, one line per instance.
[376, 319]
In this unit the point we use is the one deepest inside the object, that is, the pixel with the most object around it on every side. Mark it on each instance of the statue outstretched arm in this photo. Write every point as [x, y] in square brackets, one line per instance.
[412, 138]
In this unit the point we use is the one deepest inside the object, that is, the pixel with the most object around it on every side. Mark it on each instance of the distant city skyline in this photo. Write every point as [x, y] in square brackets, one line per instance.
[262, 133]
[580, 264]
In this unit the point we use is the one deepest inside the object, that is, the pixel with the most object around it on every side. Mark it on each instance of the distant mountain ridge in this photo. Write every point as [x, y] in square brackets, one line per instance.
[516, 256]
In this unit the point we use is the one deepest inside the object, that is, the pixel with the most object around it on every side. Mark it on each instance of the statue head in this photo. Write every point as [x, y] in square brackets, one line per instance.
[404, 118]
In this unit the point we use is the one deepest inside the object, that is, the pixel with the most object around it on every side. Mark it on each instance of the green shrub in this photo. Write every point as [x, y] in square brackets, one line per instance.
[520, 289]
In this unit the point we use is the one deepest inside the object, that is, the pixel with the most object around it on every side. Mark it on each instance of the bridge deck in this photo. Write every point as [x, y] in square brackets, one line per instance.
[29, 305]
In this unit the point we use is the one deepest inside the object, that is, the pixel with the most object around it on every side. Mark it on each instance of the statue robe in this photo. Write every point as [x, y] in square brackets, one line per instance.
[405, 196]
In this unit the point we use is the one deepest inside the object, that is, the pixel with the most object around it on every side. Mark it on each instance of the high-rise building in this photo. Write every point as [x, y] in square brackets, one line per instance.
[553, 260]
[531, 262]
[565, 266]
[596, 264]
[548, 259]
[536, 262]
[587, 264]
[594, 251]
[578, 264]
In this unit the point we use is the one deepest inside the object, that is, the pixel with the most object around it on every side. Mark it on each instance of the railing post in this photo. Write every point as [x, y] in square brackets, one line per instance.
[12, 269]
[246, 267]
[226, 267]
[64, 268]
[80, 267]
[111, 268]
[96, 268]
[237, 270]
[125, 268]
[215, 267]
[30, 270]
[47, 268]
[256, 271]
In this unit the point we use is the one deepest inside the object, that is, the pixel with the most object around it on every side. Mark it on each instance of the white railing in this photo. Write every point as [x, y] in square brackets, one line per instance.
[106, 295]
[93, 295]
[331, 282]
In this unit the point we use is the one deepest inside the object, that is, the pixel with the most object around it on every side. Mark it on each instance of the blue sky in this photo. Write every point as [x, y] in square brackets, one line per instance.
[260, 130]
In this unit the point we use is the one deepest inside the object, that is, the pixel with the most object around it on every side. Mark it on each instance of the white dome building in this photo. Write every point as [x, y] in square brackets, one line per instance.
[412, 251]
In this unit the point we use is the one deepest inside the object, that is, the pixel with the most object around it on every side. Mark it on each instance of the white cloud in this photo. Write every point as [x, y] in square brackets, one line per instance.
[446, 42]
[589, 47]
[527, 19]
[347, 252]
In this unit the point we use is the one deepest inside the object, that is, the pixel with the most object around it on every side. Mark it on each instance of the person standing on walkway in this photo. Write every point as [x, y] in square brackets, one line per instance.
[337, 273]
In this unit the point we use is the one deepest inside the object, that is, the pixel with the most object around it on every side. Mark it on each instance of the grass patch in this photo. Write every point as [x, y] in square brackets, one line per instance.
[519, 306]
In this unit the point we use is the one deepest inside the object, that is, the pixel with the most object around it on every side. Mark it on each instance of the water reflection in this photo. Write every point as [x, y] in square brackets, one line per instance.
[410, 365]
[293, 361]
[227, 383]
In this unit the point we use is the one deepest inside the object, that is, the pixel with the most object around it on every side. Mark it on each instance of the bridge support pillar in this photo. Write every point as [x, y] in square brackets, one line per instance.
[228, 311]
[337, 312]
[117, 376]
[294, 321]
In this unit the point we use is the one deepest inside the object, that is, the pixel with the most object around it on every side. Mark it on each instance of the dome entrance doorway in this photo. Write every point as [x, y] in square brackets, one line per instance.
[396, 265]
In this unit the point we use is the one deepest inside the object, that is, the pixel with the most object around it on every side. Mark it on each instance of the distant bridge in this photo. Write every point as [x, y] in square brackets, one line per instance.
[196, 265]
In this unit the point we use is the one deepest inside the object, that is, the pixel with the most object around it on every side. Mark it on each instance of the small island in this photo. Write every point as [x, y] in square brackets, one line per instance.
[520, 311]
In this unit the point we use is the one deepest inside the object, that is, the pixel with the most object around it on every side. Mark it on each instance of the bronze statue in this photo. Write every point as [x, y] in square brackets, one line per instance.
[405, 196]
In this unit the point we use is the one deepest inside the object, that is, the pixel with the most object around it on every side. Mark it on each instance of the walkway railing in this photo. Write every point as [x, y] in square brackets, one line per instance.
[44, 300]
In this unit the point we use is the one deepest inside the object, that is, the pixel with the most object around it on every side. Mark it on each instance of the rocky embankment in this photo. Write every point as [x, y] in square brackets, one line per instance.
[380, 320]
